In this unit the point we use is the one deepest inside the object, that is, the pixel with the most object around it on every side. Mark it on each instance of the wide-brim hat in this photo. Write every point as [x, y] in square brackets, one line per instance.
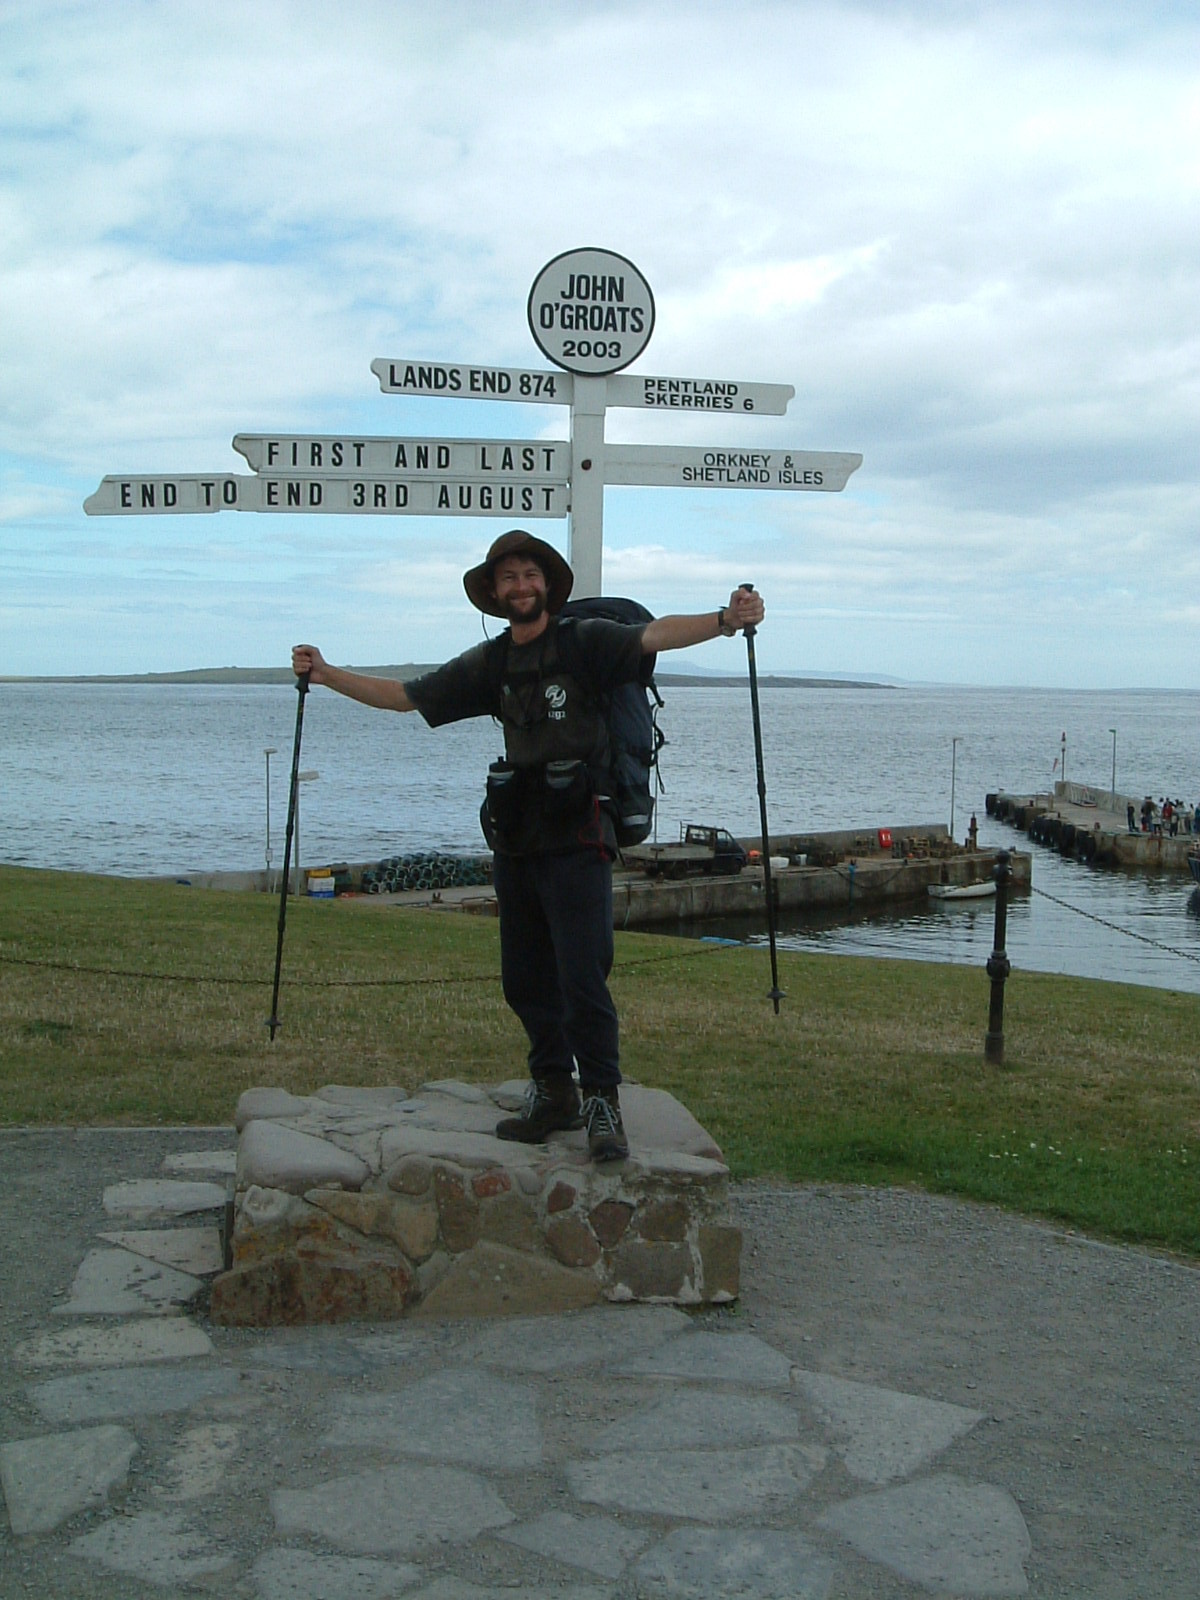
[559, 577]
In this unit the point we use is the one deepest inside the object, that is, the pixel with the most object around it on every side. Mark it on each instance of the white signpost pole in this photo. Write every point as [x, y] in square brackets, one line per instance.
[585, 519]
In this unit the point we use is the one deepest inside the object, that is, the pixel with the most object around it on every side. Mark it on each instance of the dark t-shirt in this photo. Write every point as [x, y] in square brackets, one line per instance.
[603, 654]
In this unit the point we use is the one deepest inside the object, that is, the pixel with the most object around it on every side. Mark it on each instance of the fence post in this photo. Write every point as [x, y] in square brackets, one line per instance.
[998, 966]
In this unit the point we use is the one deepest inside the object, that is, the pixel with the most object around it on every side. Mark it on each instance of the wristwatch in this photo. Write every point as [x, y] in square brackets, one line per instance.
[727, 628]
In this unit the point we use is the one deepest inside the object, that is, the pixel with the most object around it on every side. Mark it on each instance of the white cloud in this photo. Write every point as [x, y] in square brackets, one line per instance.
[963, 232]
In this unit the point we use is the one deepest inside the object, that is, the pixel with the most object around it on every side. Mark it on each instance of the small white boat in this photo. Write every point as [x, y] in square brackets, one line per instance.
[963, 891]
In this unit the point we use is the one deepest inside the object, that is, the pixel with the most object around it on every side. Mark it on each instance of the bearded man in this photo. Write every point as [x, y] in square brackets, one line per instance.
[547, 816]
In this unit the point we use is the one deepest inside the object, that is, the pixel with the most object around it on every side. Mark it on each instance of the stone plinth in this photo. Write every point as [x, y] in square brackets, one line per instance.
[373, 1203]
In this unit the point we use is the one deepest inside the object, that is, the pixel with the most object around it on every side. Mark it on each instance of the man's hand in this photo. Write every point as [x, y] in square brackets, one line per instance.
[307, 658]
[745, 608]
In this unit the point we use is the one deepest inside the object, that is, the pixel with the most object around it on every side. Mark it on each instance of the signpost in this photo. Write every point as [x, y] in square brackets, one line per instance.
[591, 313]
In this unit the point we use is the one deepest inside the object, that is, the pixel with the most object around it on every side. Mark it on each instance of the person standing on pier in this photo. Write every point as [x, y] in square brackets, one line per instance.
[546, 815]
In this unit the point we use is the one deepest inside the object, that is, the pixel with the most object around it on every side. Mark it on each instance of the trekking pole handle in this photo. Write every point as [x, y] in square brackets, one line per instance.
[749, 630]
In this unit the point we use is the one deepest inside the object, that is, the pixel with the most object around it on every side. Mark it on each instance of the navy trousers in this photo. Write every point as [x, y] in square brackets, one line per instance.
[556, 952]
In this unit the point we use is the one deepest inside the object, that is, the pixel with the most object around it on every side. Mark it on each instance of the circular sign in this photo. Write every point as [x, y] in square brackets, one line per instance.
[591, 311]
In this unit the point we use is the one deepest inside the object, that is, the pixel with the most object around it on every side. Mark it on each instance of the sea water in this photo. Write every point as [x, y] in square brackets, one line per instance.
[150, 779]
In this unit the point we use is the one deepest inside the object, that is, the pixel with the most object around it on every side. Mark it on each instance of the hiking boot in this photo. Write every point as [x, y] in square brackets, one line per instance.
[551, 1106]
[605, 1130]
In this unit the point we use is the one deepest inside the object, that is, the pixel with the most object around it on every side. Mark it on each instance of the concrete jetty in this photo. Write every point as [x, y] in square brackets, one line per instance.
[824, 871]
[1092, 825]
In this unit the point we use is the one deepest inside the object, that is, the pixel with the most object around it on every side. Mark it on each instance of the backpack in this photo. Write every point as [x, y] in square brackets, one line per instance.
[634, 738]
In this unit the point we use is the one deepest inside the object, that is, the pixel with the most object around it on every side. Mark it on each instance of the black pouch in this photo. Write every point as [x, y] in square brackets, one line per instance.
[505, 788]
[566, 788]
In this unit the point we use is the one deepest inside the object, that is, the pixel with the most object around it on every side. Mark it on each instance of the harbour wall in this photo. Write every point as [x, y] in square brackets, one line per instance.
[1091, 824]
[847, 868]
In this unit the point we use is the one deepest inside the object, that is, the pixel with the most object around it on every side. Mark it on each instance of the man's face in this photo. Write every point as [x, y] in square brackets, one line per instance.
[519, 585]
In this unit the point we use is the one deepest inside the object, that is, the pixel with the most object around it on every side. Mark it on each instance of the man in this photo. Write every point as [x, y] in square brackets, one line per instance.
[547, 814]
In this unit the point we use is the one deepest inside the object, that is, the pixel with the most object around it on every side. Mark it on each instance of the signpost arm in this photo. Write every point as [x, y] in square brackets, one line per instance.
[585, 523]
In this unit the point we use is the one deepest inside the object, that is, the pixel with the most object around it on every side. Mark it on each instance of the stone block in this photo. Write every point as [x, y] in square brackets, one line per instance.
[572, 1241]
[277, 1157]
[302, 1288]
[664, 1220]
[379, 1213]
[411, 1175]
[491, 1281]
[457, 1209]
[562, 1197]
[646, 1271]
[487, 1184]
[509, 1219]
[609, 1221]
[721, 1262]
[272, 1103]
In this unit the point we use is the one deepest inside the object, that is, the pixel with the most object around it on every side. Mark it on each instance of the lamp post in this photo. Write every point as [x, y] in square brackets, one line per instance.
[301, 777]
[1113, 731]
[269, 752]
[954, 744]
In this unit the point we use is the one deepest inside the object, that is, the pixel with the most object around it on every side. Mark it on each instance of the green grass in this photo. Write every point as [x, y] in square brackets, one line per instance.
[872, 1073]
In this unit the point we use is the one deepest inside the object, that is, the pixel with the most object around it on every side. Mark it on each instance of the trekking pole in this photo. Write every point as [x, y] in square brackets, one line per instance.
[301, 691]
[776, 993]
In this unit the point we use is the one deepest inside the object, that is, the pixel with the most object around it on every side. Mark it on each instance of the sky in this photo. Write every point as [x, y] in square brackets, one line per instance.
[966, 233]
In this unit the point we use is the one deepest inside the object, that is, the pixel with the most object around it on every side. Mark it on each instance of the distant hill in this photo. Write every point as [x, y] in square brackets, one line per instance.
[265, 675]
[210, 675]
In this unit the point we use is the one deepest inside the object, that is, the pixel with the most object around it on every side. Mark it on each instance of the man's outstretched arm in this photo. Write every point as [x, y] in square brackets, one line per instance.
[386, 694]
[744, 610]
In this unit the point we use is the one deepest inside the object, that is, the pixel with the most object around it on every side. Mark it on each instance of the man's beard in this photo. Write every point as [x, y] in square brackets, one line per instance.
[528, 609]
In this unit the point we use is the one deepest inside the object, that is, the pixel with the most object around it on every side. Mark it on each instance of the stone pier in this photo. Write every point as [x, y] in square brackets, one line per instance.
[376, 1203]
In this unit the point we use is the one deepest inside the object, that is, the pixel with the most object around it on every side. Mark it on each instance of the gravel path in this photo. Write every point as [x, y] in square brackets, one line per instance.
[1084, 1358]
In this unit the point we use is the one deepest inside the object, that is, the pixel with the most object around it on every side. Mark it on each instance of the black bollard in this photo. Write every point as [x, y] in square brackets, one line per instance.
[998, 967]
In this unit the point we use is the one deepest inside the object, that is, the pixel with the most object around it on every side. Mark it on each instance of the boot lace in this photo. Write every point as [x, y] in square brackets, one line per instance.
[599, 1116]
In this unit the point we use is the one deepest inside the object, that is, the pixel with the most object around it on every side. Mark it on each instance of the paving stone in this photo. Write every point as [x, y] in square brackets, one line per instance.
[160, 1339]
[713, 1357]
[750, 1563]
[222, 1161]
[597, 1544]
[194, 1250]
[129, 1392]
[449, 1587]
[395, 1511]
[882, 1434]
[576, 1338]
[944, 1533]
[147, 1199]
[337, 1355]
[283, 1573]
[49, 1479]
[157, 1546]
[116, 1282]
[198, 1464]
[706, 1485]
[461, 1415]
[705, 1419]
[275, 1156]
